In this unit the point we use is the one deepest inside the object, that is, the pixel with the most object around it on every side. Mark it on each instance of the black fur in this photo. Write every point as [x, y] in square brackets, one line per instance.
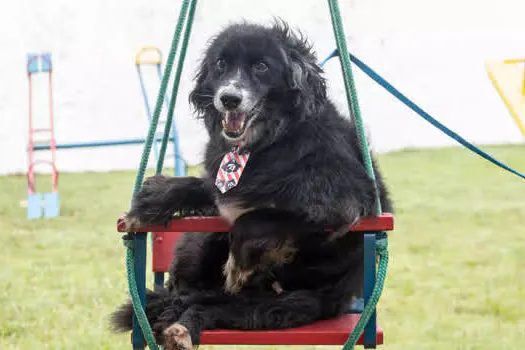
[305, 171]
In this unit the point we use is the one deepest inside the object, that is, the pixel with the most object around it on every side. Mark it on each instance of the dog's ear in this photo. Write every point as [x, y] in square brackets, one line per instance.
[308, 83]
[199, 97]
[305, 76]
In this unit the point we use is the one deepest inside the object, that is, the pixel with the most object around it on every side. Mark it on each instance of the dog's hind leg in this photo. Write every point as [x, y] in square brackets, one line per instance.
[290, 309]
[161, 197]
[169, 315]
[263, 239]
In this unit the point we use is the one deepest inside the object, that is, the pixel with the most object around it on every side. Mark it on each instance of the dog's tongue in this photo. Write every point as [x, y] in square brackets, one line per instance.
[234, 121]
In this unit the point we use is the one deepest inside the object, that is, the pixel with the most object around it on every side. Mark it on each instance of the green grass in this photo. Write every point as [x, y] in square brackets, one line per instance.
[456, 278]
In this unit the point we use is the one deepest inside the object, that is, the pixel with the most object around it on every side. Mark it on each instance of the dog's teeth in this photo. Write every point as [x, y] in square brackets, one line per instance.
[226, 126]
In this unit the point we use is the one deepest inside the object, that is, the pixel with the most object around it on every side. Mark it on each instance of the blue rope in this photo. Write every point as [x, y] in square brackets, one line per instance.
[407, 102]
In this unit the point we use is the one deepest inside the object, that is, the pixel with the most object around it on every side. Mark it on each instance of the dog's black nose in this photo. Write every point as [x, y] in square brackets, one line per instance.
[231, 101]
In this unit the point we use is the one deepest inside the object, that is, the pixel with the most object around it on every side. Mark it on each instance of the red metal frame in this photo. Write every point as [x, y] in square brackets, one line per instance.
[32, 131]
[384, 222]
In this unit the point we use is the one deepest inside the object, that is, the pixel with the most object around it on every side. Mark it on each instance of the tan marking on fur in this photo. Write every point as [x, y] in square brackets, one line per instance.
[177, 337]
[281, 255]
[229, 265]
[231, 211]
[235, 277]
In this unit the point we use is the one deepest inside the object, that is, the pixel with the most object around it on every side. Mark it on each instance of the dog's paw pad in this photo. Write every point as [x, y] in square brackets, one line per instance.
[177, 337]
[128, 223]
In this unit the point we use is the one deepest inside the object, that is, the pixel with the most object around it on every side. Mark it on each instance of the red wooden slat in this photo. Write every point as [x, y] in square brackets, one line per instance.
[163, 246]
[328, 332]
[384, 222]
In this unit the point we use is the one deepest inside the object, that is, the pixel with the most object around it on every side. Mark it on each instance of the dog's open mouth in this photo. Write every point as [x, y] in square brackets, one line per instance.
[234, 123]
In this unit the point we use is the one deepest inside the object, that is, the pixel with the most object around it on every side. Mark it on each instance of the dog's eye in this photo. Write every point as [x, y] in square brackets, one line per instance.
[221, 65]
[260, 67]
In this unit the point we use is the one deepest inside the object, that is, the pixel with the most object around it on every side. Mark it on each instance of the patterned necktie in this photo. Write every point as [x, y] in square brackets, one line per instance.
[230, 170]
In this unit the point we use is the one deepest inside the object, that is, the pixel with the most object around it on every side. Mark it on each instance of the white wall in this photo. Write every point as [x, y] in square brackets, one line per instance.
[432, 51]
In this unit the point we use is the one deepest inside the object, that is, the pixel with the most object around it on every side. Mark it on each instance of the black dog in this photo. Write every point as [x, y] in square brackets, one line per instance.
[294, 166]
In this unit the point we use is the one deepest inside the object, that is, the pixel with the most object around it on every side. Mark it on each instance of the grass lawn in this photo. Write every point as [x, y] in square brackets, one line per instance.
[456, 278]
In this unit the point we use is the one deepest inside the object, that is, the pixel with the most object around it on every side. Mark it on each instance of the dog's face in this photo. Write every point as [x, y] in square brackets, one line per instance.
[254, 81]
[245, 73]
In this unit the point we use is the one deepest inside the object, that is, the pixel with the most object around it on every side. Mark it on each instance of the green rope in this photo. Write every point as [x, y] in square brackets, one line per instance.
[382, 252]
[160, 97]
[351, 91]
[175, 89]
[138, 308]
[353, 104]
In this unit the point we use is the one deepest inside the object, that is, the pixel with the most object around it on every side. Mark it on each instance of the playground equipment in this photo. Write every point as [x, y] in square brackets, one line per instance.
[48, 204]
[38, 204]
[152, 56]
[140, 60]
[508, 78]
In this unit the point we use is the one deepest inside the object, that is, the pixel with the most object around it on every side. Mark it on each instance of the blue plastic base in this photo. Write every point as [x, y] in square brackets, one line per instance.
[39, 62]
[45, 205]
[34, 206]
[51, 205]
[46, 62]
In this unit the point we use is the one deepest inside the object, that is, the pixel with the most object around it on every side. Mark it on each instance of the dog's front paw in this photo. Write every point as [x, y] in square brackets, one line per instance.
[153, 203]
[161, 197]
[127, 223]
[177, 337]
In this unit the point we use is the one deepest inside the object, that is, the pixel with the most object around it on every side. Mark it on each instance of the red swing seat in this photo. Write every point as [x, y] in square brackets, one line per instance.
[328, 332]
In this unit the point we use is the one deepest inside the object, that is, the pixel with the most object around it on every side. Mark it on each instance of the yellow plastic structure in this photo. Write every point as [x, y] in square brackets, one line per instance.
[148, 55]
[508, 77]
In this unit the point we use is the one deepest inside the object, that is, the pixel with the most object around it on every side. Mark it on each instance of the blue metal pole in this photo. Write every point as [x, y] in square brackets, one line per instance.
[148, 109]
[158, 280]
[92, 144]
[180, 166]
[370, 336]
[140, 252]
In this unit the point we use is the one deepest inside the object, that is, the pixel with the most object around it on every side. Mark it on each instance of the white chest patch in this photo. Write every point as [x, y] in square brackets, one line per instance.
[231, 211]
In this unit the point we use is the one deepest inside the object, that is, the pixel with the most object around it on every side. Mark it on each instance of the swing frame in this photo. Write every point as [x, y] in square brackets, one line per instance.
[328, 332]
[375, 243]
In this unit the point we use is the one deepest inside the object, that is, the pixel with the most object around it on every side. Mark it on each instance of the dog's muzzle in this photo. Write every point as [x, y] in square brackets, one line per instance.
[235, 105]
[233, 123]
